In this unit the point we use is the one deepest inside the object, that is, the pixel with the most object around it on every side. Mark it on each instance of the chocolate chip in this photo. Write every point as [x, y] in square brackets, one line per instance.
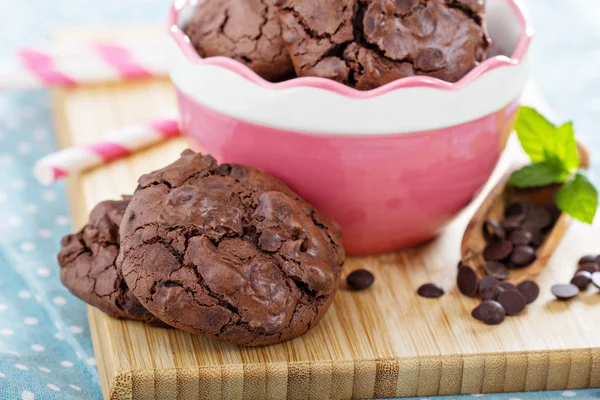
[530, 290]
[497, 250]
[430, 290]
[520, 237]
[360, 279]
[522, 256]
[512, 301]
[430, 59]
[589, 267]
[489, 312]
[467, 281]
[582, 280]
[537, 238]
[507, 286]
[554, 212]
[512, 223]
[492, 230]
[492, 293]
[565, 291]
[587, 260]
[496, 269]
[596, 279]
[487, 283]
[539, 217]
[598, 260]
[517, 209]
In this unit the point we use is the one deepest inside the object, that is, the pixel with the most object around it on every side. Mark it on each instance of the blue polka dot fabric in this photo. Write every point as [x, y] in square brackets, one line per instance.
[45, 345]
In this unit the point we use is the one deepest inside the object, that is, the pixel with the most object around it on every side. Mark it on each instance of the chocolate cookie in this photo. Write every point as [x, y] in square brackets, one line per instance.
[245, 30]
[228, 252]
[87, 265]
[368, 43]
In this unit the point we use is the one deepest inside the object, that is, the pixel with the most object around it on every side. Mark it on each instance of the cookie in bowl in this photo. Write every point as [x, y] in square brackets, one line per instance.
[228, 252]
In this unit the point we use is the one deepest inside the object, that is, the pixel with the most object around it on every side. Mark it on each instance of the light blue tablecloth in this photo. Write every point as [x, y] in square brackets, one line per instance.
[45, 347]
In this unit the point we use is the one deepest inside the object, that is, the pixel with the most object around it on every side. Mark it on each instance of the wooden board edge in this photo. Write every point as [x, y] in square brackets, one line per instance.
[383, 378]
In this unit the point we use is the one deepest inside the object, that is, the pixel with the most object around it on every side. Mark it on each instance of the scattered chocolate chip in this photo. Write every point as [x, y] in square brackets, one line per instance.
[554, 212]
[537, 238]
[492, 293]
[596, 279]
[539, 217]
[520, 237]
[530, 290]
[522, 256]
[430, 290]
[512, 301]
[496, 269]
[497, 250]
[587, 260]
[489, 312]
[492, 230]
[507, 286]
[517, 209]
[582, 280]
[512, 223]
[565, 291]
[589, 267]
[598, 260]
[360, 279]
[487, 283]
[467, 281]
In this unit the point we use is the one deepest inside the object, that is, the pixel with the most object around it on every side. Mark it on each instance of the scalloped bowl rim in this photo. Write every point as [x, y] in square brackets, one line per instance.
[238, 68]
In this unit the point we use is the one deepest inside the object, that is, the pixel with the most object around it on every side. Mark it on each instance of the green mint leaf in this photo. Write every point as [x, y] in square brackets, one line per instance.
[578, 198]
[538, 174]
[565, 147]
[535, 133]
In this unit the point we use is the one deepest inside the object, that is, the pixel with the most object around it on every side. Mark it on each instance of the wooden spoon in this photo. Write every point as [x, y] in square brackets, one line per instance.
[492, 208]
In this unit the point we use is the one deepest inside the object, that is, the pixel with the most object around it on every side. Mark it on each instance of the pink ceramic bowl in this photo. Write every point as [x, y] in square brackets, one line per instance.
[390, 165]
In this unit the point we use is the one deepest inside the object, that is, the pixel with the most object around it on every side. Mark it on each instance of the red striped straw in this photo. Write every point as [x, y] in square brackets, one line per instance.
[84, 63]
[120, 143]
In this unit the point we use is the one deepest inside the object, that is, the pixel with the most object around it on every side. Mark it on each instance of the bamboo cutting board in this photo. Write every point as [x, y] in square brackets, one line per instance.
[383, 342]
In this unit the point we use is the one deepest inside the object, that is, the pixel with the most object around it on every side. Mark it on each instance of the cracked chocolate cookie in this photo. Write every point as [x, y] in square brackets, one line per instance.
[368, 43]
[87, 265]
[245, 30]
[228, 252]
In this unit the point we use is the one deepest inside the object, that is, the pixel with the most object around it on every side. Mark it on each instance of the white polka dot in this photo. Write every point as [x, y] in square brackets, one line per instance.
[14, 221]
[75, 387]
[2, 375]
[24, 294]
[53, 387]
[57, 325]
[477, 395]
[27, 246]
[514, 398]
[45, 233]
[40, 134]
[78, 354]
[6, 160]
[31, 209]
[59, 336]
[11, 123]
[66, 364]
[43, 272]
[6, 332]
[37, 347]
[24, 148]
[3, 307]
[22, 367]
[26, 395]
[30, 321]
[49, 195]
[38, 298]
[62, 220]
[3, 197]
[59, 301]
[76, 329]
[19, 184]
[44, 370]
[569, 393]
[91, 361]
[12, 353]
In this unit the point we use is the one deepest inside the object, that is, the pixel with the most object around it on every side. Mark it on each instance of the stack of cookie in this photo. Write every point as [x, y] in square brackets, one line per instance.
[224, 251]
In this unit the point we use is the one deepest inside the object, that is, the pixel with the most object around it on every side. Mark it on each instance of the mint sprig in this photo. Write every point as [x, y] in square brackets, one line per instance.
[555, 159]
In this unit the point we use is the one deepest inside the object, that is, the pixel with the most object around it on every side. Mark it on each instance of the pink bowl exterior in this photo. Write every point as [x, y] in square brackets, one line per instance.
[385, 191]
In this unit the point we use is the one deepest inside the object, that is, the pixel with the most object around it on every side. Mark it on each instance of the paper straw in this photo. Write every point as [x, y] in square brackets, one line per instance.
[84, 63]
[119, 143]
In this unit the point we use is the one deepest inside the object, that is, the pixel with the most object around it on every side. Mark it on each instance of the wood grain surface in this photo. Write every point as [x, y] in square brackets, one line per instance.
[383, 342]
